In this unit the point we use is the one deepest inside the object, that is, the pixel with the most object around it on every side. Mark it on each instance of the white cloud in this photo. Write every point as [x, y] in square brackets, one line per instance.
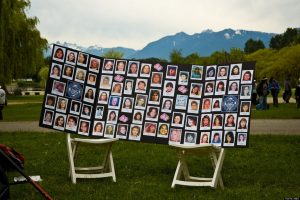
[135, 23]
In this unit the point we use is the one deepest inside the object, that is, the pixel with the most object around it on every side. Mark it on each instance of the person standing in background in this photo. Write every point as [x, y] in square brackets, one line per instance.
[274, 88]
[297, 94]
[287, 89]
[3, 101]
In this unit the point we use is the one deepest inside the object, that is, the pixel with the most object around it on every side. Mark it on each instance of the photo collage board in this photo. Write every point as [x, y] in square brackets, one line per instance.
[148, 102]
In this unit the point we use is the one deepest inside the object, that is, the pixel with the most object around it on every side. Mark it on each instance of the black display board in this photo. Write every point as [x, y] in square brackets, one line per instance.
[148, 102]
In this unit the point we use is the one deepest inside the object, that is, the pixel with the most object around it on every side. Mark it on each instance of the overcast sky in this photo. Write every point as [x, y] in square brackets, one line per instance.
[135, 23]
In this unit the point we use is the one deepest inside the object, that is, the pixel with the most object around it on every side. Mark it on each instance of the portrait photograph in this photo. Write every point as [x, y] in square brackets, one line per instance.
[120, 66]
[145, 70]
[217, 121]
[105, 82]
[196, 90]
[62, 104]
[138, 117]
[50, 101]
[154, 96]
[181, 102]
[216, 104]
[59, 121]
[175, 136]
[117, 88]
[152, 113]
[75, 107]
[82, 59]
[58, 88]
[127, 105]
[71, 57]
[72, 123]
[163, 130]
[242, 125]
[191, 123]
[216, 138]
[108, 66]
[99, 112]
[241, 139]
[193, 106]
[229, 138]
[205, 123]
[114, 102]
[112, 116]
[141, 85]
[86, 111]
[94, 64]
[167, 105]
[59, 53]
[196, 72]
[74, 90]
[103, 97]
[84, 127]
[128, 87]
[156, 79]
[133, 68]
[150, 129]
[68, 72]
[135, 132]
[172, 72]
[220, 87]
[48, 117]
[190, 138]
[92, 78]
[247, 76]
[206, 105]
[80, 75]
[178, 119]
[245, 107]
[89, 94]
[122, 130]
[169, 88]
[235, 71]
[230, 121]
[222, 72]
[209, 88]
[233, 87]
[246, 91]
[211, 72]
[204, 138]
[109, 130]
[183, 78]
[98, 128]
[141, 101]
[56, 71]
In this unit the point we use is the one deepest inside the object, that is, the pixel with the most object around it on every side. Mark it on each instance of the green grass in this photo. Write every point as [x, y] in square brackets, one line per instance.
[27, 98]
[283, 111]
[22, 112]
[269, 169]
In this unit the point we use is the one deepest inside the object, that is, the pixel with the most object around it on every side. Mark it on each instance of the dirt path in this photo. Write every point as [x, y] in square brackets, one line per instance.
[258, 126]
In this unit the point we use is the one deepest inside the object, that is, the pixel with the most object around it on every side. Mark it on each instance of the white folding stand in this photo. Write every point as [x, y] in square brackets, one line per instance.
[217, 156]
[107, 168]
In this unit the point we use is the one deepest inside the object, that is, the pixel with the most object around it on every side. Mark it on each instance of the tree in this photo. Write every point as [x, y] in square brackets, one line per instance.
[43, 76]
[253, 45]
[113, 54]
[21, 46]
[289, 37]
[176, 56]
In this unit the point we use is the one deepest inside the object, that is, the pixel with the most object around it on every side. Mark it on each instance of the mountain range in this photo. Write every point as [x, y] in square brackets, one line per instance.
[204, 43]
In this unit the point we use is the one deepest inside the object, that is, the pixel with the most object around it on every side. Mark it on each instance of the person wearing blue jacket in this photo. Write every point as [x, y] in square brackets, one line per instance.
[274, 89]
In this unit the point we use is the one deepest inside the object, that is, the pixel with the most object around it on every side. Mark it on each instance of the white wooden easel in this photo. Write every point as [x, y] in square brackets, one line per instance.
[217, 156]
[106, 169]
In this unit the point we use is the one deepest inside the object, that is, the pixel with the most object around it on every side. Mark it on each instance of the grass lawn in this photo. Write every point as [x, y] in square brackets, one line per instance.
[27, 98]
[283, 111]
[268, 169]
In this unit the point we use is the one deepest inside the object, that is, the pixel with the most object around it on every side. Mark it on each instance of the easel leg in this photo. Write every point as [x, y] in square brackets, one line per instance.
[71, 155]
[217, 163]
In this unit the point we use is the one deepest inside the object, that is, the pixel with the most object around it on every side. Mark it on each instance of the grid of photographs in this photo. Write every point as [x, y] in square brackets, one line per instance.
[148, 102]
